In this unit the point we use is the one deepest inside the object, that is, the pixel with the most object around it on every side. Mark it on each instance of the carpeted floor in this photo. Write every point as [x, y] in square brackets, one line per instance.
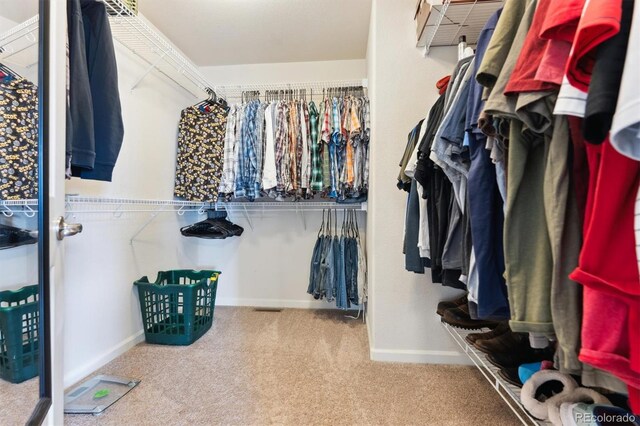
[295, 367]
[17, 401]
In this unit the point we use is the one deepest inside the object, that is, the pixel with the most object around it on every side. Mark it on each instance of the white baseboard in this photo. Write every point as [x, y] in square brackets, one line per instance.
[75, 375]
[276, 303]
[419, 356]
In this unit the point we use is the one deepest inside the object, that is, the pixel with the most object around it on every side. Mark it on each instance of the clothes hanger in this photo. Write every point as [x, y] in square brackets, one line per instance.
[9, 72]
[321, 225]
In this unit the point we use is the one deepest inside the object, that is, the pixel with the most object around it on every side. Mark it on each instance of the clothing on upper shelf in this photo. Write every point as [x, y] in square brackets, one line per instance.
[94, 120]
[533, 149]
[18, 139]
[283, 148]
[200, 152]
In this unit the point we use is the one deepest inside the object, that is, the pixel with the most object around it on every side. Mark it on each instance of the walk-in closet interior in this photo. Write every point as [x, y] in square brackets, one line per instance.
[367, 212]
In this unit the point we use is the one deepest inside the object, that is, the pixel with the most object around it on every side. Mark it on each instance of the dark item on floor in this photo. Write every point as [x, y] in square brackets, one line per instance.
[97, 394]
[502, 328]
[214, 227]
[459, 317]
[448, 304]
[11, 237]
[510, 375]
[19, 322]
[177, 309]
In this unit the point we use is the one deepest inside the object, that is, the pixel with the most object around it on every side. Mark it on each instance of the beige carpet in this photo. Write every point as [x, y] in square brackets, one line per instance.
[17, 401]
[296, 367]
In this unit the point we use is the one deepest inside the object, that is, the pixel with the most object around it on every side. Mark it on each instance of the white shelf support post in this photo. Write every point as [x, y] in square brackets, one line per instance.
[301, 213]
[148, 70]
[246, 215]
[147, 223]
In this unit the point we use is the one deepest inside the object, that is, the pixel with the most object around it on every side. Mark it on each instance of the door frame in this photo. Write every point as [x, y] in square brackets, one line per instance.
[51, 152]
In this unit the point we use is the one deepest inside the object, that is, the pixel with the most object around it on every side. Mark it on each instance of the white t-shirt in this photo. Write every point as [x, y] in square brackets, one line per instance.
[625, 129]
[571, 100]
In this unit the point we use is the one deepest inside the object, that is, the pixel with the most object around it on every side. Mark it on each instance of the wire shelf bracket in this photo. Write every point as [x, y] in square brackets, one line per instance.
[508, 392]
[141, 37]
[451, 19]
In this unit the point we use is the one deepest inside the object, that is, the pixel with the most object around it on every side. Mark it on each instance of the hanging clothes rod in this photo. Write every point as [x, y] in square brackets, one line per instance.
[235, 91]
[77, 204]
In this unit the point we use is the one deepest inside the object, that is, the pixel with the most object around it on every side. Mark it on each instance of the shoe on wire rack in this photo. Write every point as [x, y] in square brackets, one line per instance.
[502, 328]
[510, 375]
[448, 304]
[459, 317]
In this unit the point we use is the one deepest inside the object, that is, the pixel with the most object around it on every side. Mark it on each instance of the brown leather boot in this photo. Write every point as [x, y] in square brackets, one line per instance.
[448, 304]
[459, 317]
[502, 328]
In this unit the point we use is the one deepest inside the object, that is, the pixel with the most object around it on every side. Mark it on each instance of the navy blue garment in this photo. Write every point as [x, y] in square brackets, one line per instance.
[485, 202]
[81, 143]
[103, 80]
[351, 269]
[487, 221]
[475, 104]
[412, 260]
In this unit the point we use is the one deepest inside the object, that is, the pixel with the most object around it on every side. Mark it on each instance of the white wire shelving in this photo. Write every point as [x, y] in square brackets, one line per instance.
[234, 91]
[19, 38]
[508, 392]
[119, 206]
[27, 207]
[452, 19]
[116, 208]
[135, 33]
[138, 35]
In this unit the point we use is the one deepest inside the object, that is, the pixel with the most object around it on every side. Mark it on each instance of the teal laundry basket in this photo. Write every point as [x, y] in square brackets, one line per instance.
[177, 309]
[19, 322]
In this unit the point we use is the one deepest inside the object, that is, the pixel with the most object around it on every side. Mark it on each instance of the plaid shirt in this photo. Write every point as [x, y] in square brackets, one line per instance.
[237, 149]
[293, 145]
[228, 169]
[316, 159]
[366, 119]
[245, 180]
[259, 149]
[282, 148]
[306, 146]
[334, 148]
[325, 139]
[353, 129]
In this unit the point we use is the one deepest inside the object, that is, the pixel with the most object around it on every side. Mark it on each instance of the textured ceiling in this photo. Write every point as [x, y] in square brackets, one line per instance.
[18, 10]
[225, 32]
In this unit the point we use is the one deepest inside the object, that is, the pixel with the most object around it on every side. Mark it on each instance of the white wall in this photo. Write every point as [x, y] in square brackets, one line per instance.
[290, 72]
[102, 317]
[403, 325]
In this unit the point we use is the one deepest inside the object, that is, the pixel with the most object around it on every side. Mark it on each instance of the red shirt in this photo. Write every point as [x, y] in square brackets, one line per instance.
[600, 21]
[523, 78]
[562, 22]
[559, 27]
